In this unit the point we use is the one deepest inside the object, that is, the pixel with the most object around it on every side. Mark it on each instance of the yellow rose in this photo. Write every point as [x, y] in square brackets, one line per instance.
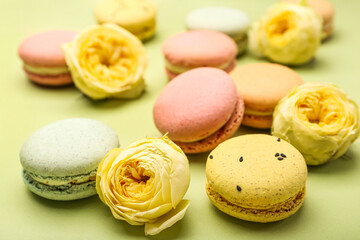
[145, 183]
[288, 34]
[107, 61]
[319, 119]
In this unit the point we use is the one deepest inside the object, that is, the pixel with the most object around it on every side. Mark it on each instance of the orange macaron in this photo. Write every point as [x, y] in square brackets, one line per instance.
[262, 85]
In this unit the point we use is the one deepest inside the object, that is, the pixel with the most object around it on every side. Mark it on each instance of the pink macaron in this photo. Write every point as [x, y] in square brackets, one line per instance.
[199, 109]
[43, 60]
[198, 48]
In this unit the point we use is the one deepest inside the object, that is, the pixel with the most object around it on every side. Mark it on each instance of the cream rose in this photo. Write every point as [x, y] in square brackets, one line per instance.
[288, 34]
[107, 61]
[319, 119]
[145, 183]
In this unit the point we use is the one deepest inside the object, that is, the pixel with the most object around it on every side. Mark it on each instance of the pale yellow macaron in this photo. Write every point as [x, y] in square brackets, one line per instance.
[136, 16]
[256, 177]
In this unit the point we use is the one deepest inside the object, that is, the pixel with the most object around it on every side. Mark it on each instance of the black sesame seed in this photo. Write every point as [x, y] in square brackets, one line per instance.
[283, 155]
[280, 158]
[238, 188]
[277, 154]
[278, 139]
[241, 159]
[211, 156]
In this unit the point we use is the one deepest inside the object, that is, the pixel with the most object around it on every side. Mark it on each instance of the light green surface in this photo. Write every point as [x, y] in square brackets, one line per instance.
[331, 209]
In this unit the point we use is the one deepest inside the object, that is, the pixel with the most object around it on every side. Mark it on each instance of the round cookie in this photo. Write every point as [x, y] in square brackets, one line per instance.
[262, 85]
[43, 60]
[256, 177]
[325, 9]
[60, 160]
[231, 21]
[137, 16]
[193, 49]
[199, 109]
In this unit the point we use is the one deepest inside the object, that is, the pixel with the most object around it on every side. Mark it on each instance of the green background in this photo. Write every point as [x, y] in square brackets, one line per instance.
[331, 209]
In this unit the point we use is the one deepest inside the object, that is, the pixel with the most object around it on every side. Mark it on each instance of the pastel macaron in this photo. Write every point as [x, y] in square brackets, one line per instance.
[231, 21]
[326, 11]
[136, 16]
[198, 48]
[43, 60]
[256, 177]
[262, 85]
[60, 160]
[199, 109]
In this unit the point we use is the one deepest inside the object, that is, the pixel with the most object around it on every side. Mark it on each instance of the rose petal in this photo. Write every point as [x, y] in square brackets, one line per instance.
[143, 182]
[168, 219]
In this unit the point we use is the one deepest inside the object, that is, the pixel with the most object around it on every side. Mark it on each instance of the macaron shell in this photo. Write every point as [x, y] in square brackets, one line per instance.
[196, 49]
[230, 21]
[195, 104]
[219, 136]
[44, 48]
[246, 171]
[50, 80]
[263, 84]
[67, 147]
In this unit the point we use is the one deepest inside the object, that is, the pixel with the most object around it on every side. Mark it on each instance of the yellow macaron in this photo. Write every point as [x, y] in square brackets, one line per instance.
[256, 177]
[136, 16]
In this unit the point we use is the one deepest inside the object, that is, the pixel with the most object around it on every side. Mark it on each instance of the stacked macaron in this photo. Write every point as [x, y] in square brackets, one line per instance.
[199, 109]
[262, 85]
[60, 159]
[43, 61]
[256, 177]
[196, 48]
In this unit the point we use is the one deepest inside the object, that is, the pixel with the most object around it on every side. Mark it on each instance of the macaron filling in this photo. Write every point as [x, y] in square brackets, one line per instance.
[177, 69]
[57, 181]
[145, 32]
[46, 70]
[328, 29]
[137, 29]
[257, 113]
[274, 212]
[241, 41]
[48, 191]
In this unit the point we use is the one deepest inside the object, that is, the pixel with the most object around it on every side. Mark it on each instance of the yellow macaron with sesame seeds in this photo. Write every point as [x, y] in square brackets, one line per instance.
[256, 177]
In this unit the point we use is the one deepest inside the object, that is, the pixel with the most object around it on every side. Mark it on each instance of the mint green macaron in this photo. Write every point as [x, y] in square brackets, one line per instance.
[60, 159]
[230, 21]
